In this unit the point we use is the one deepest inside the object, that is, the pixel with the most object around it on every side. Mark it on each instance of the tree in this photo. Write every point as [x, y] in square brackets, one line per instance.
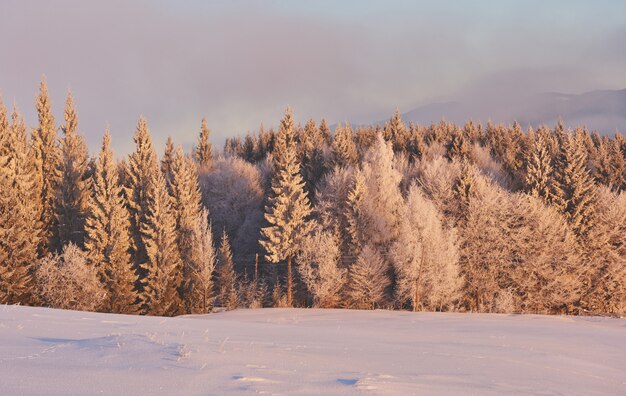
[67, 281]
[288, 209]
[382, 201]
[47, 158]
[574, 187]
[368, 279]
[539, 173]
[163, 266]
[425, 256]
[233, 193]
[20, 228]
[186, 204]
[227, 279]
[168, 159]
[73, 190]
[198, 285]
[319, 266]
[604, 273]
[107, 238]
[142, 168]
[396, 133]
[344, 152]
[204, 153]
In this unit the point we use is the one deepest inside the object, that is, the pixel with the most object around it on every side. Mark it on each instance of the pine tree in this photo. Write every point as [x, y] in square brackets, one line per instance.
[288, 210]
[142, 167]
[168, 159]
[395, 132]
[464, 189]
[368, 279]
[20, 228]
[325, 132]
[204, 153]
[47, 158]
[186, 204]
[539, 171]
[163, 265]
[311, 157]
[198, 285]
[344, 152]
[226, 277]
[107, 239]
[574, 187]
[73, 190]
[356, 219]
[458, 148]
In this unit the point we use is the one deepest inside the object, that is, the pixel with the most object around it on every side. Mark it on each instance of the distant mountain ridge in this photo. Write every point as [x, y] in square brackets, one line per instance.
[602, 110]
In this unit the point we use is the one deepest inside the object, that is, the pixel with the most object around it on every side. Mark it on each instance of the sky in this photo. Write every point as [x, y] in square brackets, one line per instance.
[240, 63]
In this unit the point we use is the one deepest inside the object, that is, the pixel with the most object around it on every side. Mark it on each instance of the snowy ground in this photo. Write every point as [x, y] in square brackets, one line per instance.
[308, 351]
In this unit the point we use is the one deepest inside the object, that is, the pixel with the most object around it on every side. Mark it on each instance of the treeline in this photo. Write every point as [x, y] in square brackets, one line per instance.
[483, 218]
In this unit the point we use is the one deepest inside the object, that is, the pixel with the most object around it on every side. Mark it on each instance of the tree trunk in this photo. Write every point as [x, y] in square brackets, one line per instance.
[289, 281]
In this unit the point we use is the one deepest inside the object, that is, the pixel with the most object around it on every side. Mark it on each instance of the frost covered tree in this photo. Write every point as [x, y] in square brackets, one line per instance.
[396, 133]
[198, 284]
[141, 169]
[539, 172]
[368, 280]
[604, 273]
[163, 266]
[228, 294]
[107, 239]
[319, 267]
[356, 219]
[168, 159]
[20, 228]
[73, 190]
[382, 200]
[425, 256]
[343, 150]
[186, 204]
[575, 189]
[204, 151]
[67, 281]
[47, 158]
[288, 209]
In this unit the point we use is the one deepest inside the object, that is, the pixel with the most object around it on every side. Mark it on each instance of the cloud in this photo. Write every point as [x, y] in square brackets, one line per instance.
[240, 63]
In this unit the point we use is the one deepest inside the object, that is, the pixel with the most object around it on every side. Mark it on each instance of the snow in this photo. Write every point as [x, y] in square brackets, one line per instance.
[309, 351]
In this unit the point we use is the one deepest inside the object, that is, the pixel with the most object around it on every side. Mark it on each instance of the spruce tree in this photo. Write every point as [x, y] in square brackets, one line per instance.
[204, 151]
[47, 158]
[395, 132]
[344, 151]
[168, 159]
[142, 167]
[198, 285]
[288, 209]
[227, 279]
[539, 173]
[186, 204]
[73, 190]
[574, 187]
[20, 228]
[325, 132]
[163, 265]
[107, 239]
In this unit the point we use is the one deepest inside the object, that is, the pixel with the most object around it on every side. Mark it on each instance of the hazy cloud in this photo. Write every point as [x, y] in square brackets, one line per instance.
[240, 63]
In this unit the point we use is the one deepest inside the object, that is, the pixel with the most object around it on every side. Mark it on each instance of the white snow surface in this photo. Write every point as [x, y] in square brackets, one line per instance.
[309, 351]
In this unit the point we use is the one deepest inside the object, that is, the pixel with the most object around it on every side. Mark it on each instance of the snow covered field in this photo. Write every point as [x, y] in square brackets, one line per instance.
[308, 351]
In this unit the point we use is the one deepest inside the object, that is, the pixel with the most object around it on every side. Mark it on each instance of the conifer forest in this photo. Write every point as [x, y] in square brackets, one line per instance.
[442, 217]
